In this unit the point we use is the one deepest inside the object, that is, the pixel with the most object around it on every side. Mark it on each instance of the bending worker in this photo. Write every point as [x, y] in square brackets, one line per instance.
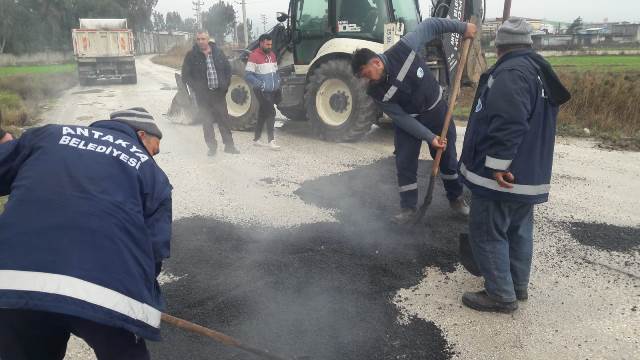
[84, 234]
[407, 91]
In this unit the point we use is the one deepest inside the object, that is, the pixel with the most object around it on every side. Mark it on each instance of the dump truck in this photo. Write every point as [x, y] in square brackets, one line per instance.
[104, 50]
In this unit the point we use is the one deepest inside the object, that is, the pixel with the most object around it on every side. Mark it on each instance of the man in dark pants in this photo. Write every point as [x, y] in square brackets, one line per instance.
[206, 70]
[506, 162]
[84, 234]
[407, 91]
[262, 73]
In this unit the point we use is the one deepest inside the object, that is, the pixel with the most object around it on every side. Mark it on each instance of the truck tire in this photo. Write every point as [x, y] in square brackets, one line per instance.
[83, 81]
[132, 79]
[242, 103]
[337, 103]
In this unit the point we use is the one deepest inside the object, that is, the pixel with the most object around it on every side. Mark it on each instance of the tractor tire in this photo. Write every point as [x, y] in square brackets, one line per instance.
[295, 114]
[83, 81]
[242, 103]
[337, 103]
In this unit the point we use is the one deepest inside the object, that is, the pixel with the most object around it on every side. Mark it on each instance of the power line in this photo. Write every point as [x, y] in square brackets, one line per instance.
[197, 7]
[264, 23]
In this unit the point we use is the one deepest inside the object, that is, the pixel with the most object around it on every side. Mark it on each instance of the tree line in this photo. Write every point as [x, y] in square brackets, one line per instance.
[28, 26]
[220, 20]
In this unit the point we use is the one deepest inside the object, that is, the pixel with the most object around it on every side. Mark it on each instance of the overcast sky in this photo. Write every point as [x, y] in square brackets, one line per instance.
[558, 10]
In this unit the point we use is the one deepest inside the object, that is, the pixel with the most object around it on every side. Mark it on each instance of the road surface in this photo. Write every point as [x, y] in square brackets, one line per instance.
[292, 251]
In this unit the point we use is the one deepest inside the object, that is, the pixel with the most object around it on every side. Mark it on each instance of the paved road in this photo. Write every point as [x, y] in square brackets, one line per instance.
[292, 251]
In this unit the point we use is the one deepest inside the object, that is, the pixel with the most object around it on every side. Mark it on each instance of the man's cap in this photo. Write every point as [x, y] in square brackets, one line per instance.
[138, 118]
[514, 31]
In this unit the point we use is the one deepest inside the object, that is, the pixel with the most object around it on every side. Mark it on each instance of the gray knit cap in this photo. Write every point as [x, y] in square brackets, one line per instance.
[139, 119]
[514, 31]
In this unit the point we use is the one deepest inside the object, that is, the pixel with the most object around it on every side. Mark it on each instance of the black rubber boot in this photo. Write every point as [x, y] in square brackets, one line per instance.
[482, 302]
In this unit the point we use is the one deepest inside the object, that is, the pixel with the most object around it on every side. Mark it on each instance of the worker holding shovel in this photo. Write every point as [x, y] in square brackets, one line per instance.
[84, 234]
[407, 91]
[506, 163]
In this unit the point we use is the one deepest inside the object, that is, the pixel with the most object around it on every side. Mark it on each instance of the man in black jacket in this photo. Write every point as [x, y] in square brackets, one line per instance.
[207, 72]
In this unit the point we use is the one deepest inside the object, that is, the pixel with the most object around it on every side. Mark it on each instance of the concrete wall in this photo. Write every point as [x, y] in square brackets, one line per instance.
[154, 43]
[42, 58]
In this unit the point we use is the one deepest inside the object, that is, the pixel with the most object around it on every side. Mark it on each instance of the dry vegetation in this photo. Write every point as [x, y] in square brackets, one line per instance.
[21, 96]
[604, 99]
[174, 57]
[607, 104]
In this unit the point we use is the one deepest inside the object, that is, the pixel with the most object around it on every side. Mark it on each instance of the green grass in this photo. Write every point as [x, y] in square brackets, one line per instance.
[603, 63]
[40, 69]
[599, 63]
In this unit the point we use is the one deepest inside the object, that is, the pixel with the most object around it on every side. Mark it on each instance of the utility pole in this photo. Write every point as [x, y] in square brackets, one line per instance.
[244, 23]
[264, 23]
[507, 10]
[197, 7]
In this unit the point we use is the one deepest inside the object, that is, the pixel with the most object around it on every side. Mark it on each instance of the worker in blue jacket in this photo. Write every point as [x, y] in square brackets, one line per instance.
[506, 163]
[406, 90]
[84, 234]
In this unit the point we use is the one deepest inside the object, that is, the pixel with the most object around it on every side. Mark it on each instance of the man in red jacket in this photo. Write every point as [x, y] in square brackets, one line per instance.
[262, 73]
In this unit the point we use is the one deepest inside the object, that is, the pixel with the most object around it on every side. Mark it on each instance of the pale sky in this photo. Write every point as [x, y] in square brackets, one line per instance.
[557, 10]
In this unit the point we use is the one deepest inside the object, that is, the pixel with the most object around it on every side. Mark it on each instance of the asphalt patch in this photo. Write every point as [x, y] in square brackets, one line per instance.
[606, 237]
[321, 290]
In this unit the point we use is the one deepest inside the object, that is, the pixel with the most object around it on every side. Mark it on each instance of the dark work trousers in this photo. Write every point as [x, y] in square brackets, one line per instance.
[212, 108]
[408, 152]
[501, 234]
[266, 114]
[38, 335]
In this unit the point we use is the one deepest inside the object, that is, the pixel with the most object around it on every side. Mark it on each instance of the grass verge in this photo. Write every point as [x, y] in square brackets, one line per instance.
[21, 96]
[44, 69]
[600, 63]
[173, 58]
[605, 92]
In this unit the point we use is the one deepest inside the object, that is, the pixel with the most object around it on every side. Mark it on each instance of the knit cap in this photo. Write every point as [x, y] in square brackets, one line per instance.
[139, 119]
[514, 31]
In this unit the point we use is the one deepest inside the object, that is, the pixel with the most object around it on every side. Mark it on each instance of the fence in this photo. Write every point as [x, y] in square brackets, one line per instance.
[154, 43]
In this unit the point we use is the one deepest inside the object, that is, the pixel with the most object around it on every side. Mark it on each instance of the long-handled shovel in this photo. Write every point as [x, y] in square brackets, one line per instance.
[452, 103]
[218, 336]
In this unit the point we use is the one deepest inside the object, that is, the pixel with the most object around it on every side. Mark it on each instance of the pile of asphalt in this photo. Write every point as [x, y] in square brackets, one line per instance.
[321, 290]
[623, 239]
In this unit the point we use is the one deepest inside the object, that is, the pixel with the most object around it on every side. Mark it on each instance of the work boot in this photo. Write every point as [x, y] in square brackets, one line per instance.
[231, 149]
[406, 216]
[522, 295]
[273, 146]
[480, 301]
[460, 206]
